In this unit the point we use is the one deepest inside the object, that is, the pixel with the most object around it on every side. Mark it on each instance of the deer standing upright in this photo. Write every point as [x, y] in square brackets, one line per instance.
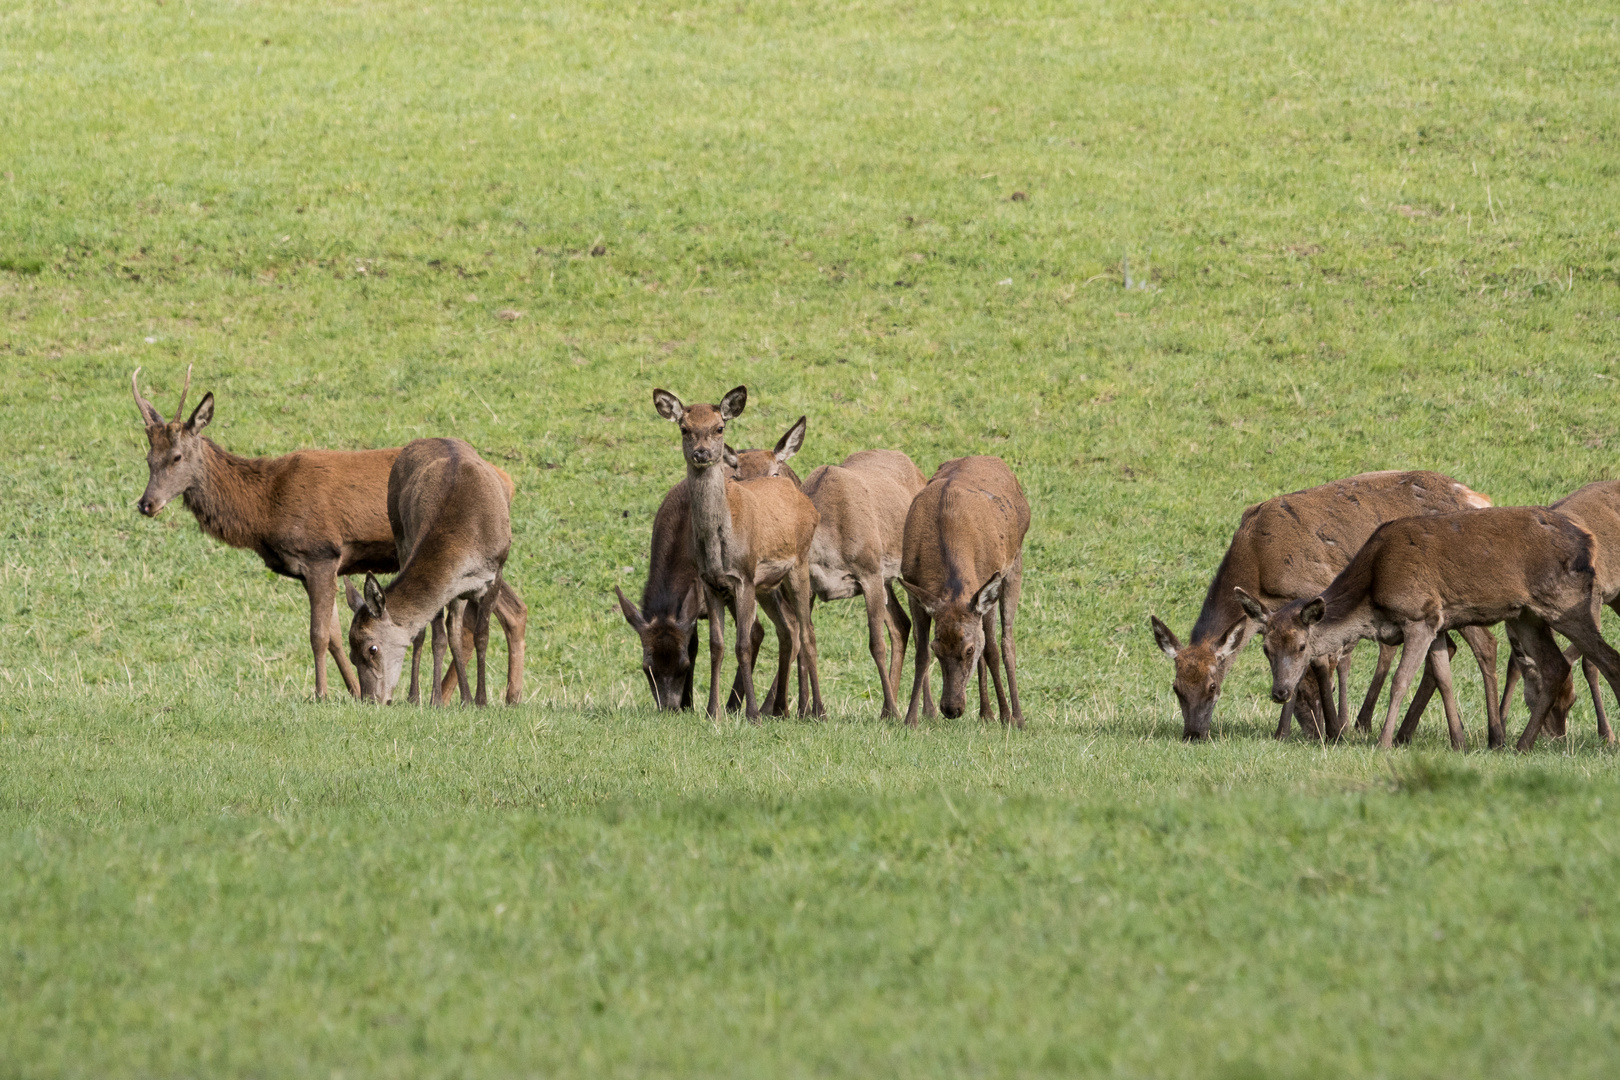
[748, 536]
[1417, 577]
[1289, 548]
[310, 515]
[453, 531]
[962, 560]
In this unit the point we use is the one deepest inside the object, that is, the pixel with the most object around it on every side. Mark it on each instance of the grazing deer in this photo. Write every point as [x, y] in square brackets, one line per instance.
[672, 600]
[1289, 548]
[962, 559]
[1596, 508]
[453, 531]
[858, 546]
[1417, 577]
[748, 536]
[310, 515]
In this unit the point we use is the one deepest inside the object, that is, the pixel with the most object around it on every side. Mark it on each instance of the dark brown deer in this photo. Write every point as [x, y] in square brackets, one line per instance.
[672, 599]
[1289, 548]
[310, 515]
[448, 509]
[748, 536]
[1596, 508]
[1418, 577]
[962, 561]
[858, 546]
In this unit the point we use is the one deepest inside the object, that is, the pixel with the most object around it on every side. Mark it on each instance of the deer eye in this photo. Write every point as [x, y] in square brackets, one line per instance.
[372, 650]
[176, 459]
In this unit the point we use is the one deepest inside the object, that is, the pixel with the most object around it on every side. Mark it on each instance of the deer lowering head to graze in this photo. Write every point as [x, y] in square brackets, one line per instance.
[1290, 548]
[448, 509]
[858, 547]
[748, 537]
[962, 561]
[310, 515]
[1417, 577]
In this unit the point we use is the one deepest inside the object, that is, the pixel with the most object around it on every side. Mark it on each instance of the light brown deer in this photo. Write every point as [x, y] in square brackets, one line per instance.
[1417, 577]
[1289, 548]
[1596, 508]
[672, 599]
[748, 536]
[858, 545]
[963, 560]
[310, 515]
[453, 532]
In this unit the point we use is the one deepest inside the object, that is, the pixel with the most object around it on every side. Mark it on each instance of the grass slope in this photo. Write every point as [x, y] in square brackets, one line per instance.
[1377, 235]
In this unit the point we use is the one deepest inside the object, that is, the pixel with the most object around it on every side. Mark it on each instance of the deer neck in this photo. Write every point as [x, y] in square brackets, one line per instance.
[712, 537]
[1346, 622]
[231, 501]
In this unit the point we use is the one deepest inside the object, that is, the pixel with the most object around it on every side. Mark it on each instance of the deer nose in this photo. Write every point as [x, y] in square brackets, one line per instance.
[144, 506]
[1280, 695]
[951, 711]
[703, 456]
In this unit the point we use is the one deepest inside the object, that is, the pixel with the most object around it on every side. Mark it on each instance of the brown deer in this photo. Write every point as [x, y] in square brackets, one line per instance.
[1596, 508]
[1418, 577]
[453, 531]
[672, 599]
[1289, 548]
[962, 560]
[748, 536]
[858, 546]
[310, 515]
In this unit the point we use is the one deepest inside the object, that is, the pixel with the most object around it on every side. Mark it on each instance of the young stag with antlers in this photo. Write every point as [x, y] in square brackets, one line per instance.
[672, 600]
[1290, 548]
[962, 560]
[858, 547]
[448, 508]
[310, 515]
[748, 536]
[1418, 577]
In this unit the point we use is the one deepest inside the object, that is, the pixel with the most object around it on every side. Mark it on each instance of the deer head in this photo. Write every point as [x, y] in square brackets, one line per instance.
[1287, 639]
[667, 647]
[175, 455]
[703, 427]
[1200, 670]
[958, 640]
[754, 463]
[376, 644]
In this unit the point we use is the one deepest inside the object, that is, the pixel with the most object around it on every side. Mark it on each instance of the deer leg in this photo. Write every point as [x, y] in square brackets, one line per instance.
[485, 608]
[514, 616]
[455, 626]
[717, 646]
[691, 669]
[877, 632]
[1440, 650]
[809, 655]
[1483, 644]
[992, 652]
[776, 701]
[736, 699]
[921, 656]
[415, 696]
[1012, 588]
[1544, 669]
[1417, 636]
[1285, 721]
[321, 585]
[1582, 630]
[437, 694]
[1343, 667]
[1420, 700]
[900, 626]
[1386, 656]
[1590, 670]
[744, 610]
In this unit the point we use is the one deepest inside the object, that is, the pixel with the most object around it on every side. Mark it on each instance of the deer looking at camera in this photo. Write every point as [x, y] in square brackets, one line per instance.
[453, 531]
[748, 536]
[858, 547]
[962, 560]
[1418, 577]
[672, 600]
[1289, 548]
[310, 515]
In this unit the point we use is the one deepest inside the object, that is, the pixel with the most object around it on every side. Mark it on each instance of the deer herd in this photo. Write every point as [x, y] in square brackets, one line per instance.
[1402, 558]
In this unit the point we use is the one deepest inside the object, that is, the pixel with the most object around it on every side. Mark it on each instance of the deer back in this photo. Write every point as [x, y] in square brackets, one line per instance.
[863, 505]
[450, 511]
[966, 525]
[1596, 508]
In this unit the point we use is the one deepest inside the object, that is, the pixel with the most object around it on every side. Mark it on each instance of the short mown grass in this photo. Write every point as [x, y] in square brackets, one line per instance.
[1373, 235]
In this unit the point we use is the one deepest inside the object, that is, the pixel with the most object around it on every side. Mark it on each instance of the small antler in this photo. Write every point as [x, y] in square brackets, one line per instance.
[149, 411]
[180, 408]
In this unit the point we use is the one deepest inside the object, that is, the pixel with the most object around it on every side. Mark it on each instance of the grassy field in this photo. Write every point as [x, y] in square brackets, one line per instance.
[1374, 235]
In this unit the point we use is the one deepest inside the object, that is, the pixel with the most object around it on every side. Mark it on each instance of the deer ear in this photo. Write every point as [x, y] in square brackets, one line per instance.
[790, 442]
[636, 620]
[1312, 612]
[1230, 642]
[691, 608]
[375, 599]
[988, 594]
[352, 595]
[730, 457]
[731, 406]
[1165, 637]
[921, 595]
[1253, 608]
[668, 405]
[202, 414]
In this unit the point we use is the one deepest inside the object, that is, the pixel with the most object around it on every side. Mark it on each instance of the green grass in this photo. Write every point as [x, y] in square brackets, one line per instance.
[1379, 235]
